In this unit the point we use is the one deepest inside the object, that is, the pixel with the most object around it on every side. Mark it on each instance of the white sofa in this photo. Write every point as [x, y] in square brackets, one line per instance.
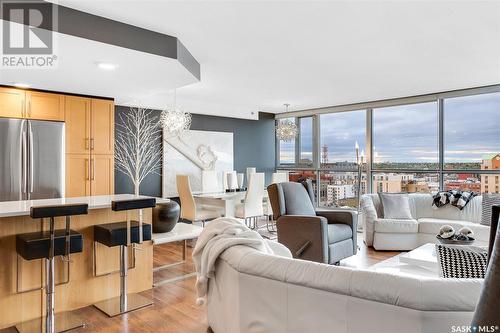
[255, 292]
[403, 235]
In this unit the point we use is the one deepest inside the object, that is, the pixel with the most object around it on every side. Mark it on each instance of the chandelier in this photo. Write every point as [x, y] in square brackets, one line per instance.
[175, 120]
[286, 129]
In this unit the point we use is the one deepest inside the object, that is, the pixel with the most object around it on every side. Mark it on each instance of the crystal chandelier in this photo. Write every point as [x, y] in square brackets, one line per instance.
[286, 129]
[175, 120]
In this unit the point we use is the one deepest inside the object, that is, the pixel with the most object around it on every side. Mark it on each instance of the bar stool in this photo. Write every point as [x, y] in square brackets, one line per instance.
[124, 234]
[46, 245]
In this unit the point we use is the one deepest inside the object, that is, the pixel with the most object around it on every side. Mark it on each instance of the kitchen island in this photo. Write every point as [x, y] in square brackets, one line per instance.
[77, 287]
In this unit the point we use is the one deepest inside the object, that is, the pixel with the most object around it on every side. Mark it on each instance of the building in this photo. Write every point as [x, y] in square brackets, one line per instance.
[335, 193]
[490, 183]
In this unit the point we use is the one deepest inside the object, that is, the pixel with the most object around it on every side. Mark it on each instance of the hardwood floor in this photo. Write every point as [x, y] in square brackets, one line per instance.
[174, 308]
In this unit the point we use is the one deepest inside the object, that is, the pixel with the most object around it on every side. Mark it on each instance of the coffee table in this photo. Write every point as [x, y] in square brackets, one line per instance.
[181, 232]
[421, 262]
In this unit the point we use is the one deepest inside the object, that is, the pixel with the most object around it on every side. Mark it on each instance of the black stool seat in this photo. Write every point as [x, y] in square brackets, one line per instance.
[59, 210]
[35, 245]
[133, 204]
[115, 234]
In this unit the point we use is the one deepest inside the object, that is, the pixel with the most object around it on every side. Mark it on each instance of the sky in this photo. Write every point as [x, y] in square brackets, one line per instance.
[409, 133]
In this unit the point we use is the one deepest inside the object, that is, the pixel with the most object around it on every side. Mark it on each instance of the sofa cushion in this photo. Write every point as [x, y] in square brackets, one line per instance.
[432, 226]
[395, 205]
[400, 226]
[338, 232]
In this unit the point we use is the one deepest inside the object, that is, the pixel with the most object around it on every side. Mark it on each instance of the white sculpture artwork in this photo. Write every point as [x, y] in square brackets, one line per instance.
[194, 152]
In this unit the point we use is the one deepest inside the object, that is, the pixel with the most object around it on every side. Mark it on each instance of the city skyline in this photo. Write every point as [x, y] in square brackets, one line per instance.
[409, 133]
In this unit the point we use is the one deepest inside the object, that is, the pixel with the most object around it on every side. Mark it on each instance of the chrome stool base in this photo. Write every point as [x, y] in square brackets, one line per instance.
[112, 307]
[64, 322]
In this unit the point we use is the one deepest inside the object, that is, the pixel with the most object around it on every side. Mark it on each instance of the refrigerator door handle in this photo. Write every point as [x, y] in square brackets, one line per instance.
[31, 172]
[24, 164]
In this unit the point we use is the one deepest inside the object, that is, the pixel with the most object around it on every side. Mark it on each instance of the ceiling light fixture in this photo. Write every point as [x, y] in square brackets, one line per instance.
[286, 130]
[22, 85]
[175, 120]
[107, 66]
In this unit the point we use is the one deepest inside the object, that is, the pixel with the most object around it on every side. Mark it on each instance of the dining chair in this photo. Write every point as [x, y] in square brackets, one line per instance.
[279, 177]
[190, 210]
[250, 171]
[231, 180]
[209, 181]
[252, 209]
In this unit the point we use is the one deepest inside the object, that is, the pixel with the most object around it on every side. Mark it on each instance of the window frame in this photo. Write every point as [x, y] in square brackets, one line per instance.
[369, 169]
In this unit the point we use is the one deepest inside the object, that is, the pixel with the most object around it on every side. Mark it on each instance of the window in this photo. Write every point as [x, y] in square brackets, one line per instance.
[466, 182]
[405, 182]
[448, 141]
[299, 176]
[474, 182]
[306, 141]
[471, 134]
[339, 134]
[406, 137]
[340, 189]
[287, 149]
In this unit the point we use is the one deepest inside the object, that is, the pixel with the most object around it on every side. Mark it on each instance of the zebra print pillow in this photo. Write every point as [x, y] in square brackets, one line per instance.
[461, 261]
[488, 201]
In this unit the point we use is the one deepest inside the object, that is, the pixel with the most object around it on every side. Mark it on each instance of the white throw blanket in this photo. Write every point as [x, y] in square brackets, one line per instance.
[219, 235]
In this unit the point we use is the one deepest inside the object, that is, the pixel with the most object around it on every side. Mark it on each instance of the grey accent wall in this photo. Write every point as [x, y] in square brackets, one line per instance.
[254, 146]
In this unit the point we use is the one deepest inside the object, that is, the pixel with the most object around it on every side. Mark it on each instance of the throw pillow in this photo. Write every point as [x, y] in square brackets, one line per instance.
[461, 261]
[454, 196]
[488, 201]
[396, 205]
[441, 199]
[463, 199]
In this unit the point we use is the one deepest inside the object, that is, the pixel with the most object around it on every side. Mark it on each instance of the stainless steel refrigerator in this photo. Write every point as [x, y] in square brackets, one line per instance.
[31, 159]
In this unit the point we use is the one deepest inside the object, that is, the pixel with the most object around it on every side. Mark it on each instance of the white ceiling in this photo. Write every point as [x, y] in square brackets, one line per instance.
[257, 55]
[140, 78]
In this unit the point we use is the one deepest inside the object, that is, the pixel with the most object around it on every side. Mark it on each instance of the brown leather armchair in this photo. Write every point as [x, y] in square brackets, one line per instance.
[321, 235]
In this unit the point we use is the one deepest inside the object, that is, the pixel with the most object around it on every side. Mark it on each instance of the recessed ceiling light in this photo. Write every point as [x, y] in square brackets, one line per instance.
[107, 66]
[21, 85]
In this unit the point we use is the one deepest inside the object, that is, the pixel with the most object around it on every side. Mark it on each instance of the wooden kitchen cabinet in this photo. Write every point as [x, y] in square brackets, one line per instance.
[78, 175]
[44, 106]
[102, 180]
[12, 102]
[77, 125]
[90, 135]
[102, 127]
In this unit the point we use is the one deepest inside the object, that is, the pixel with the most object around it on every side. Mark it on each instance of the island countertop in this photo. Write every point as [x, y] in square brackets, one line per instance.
[22, 207]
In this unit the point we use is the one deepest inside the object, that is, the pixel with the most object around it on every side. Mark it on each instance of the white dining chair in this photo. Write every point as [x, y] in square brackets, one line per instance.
[231, 180]
[252, 209]
[250, 171]
[241, 178]
[190, 210]
[210, 181]
[279, 177]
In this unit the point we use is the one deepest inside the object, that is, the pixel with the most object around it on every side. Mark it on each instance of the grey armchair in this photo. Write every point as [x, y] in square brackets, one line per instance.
[321, 235]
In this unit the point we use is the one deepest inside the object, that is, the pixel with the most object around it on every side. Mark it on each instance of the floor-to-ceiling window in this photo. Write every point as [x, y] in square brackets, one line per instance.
[340, 134]
[305, 153]
[405, 143]
[471, 126]
[423, 144]
[286, 154]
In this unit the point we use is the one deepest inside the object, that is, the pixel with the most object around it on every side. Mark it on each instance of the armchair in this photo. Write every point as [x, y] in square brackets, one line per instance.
[321, 235]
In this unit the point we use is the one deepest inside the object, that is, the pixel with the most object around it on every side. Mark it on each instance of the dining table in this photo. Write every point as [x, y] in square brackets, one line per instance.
[225, 200]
